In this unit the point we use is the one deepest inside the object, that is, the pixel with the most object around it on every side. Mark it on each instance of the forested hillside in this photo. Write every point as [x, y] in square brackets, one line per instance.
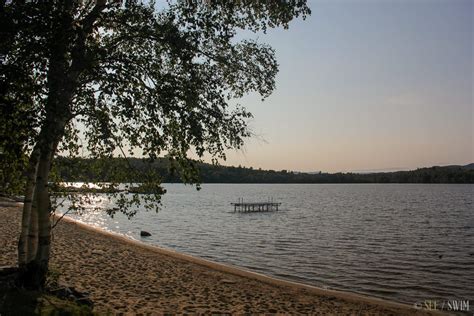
[87, 170]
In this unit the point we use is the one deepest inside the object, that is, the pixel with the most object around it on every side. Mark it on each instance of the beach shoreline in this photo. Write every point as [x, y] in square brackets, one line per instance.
[238, 271]
[123, 275]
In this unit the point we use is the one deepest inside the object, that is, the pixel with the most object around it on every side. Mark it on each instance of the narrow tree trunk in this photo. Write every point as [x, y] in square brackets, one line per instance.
[39, 236]
[65, 67]
[27, 206]
[32, 244]
[28, 242]
[40, 220]
[41, 260]
[28, 271]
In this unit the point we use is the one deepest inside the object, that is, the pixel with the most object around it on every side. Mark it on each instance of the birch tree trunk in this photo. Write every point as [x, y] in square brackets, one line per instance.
[32, 244]
[28, 241]
[63, 73]
[60, 91]
[39, 231]
[41, 259]
[27, 220]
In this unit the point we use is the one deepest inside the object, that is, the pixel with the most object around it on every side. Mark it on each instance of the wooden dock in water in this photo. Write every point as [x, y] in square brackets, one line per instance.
[242, 206]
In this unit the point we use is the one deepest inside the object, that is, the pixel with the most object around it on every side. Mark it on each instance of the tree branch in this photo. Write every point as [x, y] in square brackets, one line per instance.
[60, 218]
[79, 57]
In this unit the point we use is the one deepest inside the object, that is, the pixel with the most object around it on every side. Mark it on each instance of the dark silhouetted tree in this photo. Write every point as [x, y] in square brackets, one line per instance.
[127, 77]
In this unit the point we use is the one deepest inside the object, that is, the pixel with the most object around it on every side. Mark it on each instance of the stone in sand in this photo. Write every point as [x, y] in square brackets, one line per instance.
[144, 233]
[227, 281]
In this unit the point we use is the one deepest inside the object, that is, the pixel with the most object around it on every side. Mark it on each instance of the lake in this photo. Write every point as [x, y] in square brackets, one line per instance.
[403, 242]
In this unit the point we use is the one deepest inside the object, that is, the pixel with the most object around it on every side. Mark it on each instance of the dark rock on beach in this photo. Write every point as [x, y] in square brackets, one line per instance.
[144, 233]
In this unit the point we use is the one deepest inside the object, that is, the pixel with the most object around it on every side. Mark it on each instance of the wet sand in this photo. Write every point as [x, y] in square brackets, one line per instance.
[127, 277]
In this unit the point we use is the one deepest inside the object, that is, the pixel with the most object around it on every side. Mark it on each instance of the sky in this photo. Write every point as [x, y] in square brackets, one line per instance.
[367, 85]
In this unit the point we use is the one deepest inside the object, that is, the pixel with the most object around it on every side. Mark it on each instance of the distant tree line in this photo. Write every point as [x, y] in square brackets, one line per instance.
[115, 169]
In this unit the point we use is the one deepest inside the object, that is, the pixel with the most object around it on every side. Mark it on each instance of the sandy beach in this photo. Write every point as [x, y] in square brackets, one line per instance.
[130, 278]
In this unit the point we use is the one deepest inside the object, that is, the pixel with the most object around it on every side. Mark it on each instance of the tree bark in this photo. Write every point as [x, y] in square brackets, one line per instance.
[41, 259]
[62, 80]
[60, 91]
[23, 243]
[28, 241]
[27, 271]
[34, 273]
[32, 244]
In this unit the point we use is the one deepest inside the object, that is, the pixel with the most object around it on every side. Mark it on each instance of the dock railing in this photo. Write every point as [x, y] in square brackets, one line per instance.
[242, 206]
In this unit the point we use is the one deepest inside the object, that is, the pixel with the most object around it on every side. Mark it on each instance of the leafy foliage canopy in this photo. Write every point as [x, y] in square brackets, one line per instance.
[135, 77]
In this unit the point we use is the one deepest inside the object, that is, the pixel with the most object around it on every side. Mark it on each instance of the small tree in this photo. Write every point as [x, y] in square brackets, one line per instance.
[128, 75]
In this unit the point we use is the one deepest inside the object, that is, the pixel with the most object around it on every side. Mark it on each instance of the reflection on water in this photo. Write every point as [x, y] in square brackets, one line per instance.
[403, 242]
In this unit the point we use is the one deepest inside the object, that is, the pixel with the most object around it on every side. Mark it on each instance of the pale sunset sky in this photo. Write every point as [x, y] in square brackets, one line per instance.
[367, 85]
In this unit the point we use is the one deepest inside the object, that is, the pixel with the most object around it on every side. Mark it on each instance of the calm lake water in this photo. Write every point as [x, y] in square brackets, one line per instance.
[407, 243]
